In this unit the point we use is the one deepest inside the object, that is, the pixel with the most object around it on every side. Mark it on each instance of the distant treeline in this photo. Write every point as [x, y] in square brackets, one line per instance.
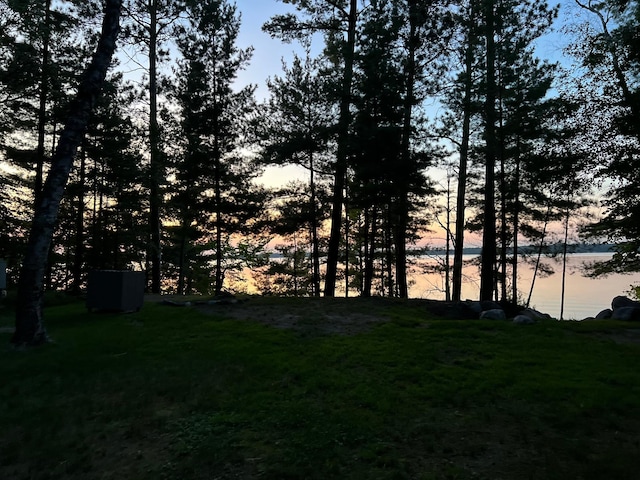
[553, 249]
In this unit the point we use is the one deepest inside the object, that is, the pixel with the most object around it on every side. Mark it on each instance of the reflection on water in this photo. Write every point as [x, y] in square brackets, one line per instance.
[584, 297]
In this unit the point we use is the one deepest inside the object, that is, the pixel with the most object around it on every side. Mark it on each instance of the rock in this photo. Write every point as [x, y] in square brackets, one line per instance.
[625, 309]
[490, 305]
[493, 314]
[623, 302]
[523, 320]
[626, 314]
[534, 314]
[451, 310]
[604, 314]
[474, 306]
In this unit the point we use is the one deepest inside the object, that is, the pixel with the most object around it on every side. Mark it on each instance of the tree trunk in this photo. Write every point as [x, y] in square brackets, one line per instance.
[388, 246]
[516, 231]
[30, 328]
[540, 248]
[341, 159]
[402, 220]
[181, 258]
[155, 250]
[347, 228]
[487, 273]
[101, 242]
[504, 234]
[462, 171]
[78, 257]
[42, 106]
[400, 240]
[315, 249]
[219, 278]
[371, 219]
[564, 260]
[447, 255]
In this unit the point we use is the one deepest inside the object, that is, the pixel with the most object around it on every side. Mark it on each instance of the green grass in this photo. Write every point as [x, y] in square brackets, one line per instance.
[171, 393]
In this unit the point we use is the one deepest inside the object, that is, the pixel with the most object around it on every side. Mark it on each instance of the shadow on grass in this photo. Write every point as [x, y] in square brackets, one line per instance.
[175, 393]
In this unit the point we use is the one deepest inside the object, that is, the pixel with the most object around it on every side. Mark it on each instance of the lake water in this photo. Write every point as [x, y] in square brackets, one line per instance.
[584, 297]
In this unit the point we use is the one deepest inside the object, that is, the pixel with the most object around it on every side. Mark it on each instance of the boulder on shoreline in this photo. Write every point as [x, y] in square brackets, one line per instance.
[534, 314]
[485, 310]
[628, 314]
[604, 314]
[623, 302]
[493, 314]
[622, 308]
[523, 320]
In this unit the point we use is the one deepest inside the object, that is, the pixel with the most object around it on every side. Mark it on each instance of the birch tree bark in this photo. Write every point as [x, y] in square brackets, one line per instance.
[30, 329]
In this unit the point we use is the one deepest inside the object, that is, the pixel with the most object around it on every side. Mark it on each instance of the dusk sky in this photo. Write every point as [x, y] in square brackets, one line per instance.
[268, 52]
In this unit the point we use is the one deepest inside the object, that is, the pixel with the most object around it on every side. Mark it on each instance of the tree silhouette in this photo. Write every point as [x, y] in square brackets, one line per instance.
[30, 328]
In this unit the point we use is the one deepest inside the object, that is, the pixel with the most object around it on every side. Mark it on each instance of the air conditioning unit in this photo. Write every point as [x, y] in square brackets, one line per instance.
[115, 290]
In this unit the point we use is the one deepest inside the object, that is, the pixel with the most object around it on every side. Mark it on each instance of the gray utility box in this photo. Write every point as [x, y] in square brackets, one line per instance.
[115, 290]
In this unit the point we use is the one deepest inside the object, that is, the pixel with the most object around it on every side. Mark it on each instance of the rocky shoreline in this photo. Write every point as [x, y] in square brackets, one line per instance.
[622, 308]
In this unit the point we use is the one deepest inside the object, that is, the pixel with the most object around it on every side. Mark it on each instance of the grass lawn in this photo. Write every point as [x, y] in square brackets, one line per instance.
[182, 393]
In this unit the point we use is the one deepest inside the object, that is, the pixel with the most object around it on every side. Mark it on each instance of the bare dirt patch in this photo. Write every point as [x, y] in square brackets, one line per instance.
[310, 316]
[322, 316]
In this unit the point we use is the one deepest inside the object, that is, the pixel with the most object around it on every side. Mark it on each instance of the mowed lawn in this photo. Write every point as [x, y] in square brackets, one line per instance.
[174, 393]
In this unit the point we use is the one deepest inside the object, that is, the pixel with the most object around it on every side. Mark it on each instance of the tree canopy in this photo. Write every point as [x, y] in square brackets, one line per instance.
[379, 95]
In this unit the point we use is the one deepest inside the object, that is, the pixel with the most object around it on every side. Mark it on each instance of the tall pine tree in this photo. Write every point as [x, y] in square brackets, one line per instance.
[213, 187]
